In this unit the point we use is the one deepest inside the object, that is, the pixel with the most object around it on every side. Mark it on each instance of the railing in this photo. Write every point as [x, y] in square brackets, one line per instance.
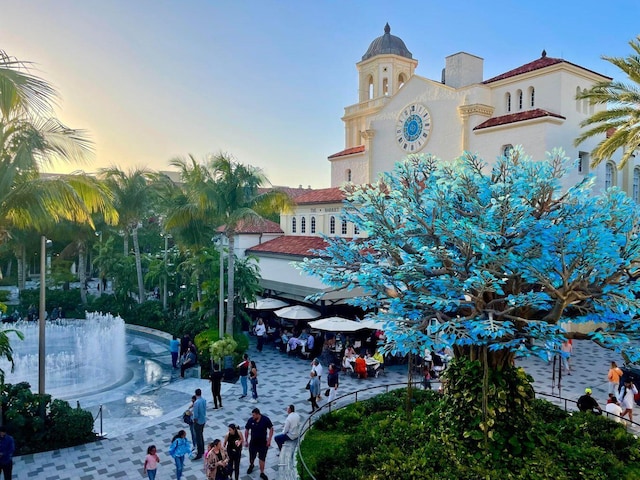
[287, 465]
[287, 468]
[98, 414]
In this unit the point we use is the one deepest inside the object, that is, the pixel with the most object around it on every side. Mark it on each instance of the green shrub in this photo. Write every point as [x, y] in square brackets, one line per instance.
[69, 300]
[61, 427]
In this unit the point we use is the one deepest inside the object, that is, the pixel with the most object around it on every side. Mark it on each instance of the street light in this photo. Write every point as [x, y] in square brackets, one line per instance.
[44, 242]
[166, 236]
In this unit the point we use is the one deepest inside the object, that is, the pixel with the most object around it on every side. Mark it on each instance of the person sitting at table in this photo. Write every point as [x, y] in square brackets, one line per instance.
[346, 365]
[350, 352]
[292, 345]
[379, 357]
[311, 341]
[304, 335]
[361, 366]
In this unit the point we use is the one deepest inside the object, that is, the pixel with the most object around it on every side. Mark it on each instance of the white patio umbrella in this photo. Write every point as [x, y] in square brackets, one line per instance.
[266, 304]
[297, 312]
[372, 324]
[336, 324]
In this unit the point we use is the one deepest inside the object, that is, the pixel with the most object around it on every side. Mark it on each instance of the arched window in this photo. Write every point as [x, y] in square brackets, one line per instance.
[344, 227]
[348, 175]
[609, 175]
[636, 185]
[507, 101]
[370, 87]
[507, 149]
[303, 225]
[293, 225]
[385, 87]
[332, 225]
[583, 162]
[532, 97]
[519, 94]
[401, 81]
[313, 224]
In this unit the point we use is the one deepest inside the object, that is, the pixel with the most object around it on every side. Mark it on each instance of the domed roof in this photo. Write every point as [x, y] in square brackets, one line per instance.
[387, 44]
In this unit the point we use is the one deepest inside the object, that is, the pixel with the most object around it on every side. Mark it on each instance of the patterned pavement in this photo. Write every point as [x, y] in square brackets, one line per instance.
[282, 380]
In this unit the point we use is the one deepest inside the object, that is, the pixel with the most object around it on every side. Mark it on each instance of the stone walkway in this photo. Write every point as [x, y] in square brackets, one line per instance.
[282, 381]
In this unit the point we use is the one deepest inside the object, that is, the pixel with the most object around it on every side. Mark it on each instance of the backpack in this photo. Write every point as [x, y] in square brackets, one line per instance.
[187, 417]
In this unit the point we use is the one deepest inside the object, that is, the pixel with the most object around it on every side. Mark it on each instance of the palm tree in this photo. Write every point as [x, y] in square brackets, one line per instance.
[133, 193]
[621, 122]
[236, 198]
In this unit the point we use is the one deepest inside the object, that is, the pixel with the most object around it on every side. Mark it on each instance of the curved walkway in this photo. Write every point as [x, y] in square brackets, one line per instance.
[282, 381]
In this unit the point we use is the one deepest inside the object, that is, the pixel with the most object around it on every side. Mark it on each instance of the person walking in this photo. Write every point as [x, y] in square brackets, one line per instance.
[314, 390]
[151, 462]
[626, 396]
[261, 332]
[216, 384]
[174, 348]
[317, 367]
[613, 377]
[233, 441]
[256, 438]
[180, 447]
[216, 462]
[567, 349]
[291, 429]
[253, 378]
[243, 372]
[199, 420]
[333, 381]
[7, 448]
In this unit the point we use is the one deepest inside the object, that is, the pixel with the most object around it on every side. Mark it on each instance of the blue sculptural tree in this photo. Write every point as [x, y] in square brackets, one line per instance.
[502, 257]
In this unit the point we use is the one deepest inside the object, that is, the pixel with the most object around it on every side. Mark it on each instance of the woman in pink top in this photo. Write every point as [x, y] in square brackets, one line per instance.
[151, 463]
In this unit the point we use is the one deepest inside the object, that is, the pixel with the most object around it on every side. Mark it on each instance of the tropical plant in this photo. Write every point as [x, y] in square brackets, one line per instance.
[502, 259]
[6, 351]
[620, 122]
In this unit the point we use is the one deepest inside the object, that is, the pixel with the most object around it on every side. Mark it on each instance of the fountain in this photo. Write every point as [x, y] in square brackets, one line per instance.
[82, 356]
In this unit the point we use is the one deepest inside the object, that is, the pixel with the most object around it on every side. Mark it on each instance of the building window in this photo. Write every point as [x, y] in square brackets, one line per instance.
[356, 230]
[636, 185]
[370, 87]
[332, 225]
[313, 224]
[344, 227]
[348, 175]
[577, 101]
[583, 162]
[507, 149]
[519, 93]
[609, 175]
[385, 87]
[303, 225]
[508, 101]
[532, 97]
[293, 225]
[401, 81]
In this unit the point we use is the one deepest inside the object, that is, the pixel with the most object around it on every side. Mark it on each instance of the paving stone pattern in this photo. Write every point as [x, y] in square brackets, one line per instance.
[282, 380]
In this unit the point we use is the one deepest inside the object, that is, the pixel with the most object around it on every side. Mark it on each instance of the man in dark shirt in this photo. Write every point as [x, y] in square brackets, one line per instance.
[586, 403]
[256, 428]
[216, 384]
[7, 447]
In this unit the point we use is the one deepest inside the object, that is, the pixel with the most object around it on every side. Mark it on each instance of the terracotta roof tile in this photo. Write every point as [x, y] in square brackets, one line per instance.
[348, 151]
[322, 195]
[291, 245]
[517, 117]
[253, 225]
[293, 192]
[541, 62]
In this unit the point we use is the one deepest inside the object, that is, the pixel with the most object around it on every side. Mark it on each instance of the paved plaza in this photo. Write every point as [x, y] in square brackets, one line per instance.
[282, 380]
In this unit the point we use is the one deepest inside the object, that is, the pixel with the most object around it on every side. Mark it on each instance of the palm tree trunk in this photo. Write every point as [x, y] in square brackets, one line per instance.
[21, 264]
[82, 270]
[125, 243]
[230, 284]
[136, 252]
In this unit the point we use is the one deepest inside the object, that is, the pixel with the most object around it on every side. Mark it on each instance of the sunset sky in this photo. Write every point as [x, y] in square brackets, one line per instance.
[264, 81]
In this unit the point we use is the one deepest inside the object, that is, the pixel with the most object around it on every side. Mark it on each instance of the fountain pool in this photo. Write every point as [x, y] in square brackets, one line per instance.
[82, 356]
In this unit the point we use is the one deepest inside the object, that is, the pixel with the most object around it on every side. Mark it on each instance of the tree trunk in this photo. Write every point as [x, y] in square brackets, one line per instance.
[82, 270]
[230, 284]
[125, 244]
[136, 252]
[9, 267]
[21, 265]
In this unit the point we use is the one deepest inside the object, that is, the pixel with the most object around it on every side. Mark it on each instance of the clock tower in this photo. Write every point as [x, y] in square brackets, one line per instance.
[384, 69]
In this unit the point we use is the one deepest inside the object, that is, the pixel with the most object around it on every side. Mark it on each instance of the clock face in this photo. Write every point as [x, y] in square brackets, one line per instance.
[413, 127]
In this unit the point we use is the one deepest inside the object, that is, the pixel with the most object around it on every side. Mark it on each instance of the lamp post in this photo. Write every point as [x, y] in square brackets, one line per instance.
[42, 315]
[165, 279]
[218, 241]
[100, 287]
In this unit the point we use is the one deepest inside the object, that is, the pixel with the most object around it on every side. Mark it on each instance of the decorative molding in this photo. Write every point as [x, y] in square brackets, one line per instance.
[475, 109]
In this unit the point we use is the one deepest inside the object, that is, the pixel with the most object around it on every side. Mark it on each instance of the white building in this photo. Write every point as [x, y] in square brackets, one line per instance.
[399, 112]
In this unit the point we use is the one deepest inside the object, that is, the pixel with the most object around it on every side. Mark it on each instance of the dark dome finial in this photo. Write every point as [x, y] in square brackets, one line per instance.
[387, 28]
[544, 53]
[387, 44]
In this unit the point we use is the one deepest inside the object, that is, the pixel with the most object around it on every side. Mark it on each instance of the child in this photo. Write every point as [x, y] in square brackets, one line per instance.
[180, 447]
[151, 463]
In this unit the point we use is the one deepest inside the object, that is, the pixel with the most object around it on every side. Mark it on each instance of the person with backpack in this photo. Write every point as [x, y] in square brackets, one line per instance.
[180, 447]
[626, 396]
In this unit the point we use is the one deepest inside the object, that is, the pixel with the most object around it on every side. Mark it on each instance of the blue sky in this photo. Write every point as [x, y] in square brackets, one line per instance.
[268, 81]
